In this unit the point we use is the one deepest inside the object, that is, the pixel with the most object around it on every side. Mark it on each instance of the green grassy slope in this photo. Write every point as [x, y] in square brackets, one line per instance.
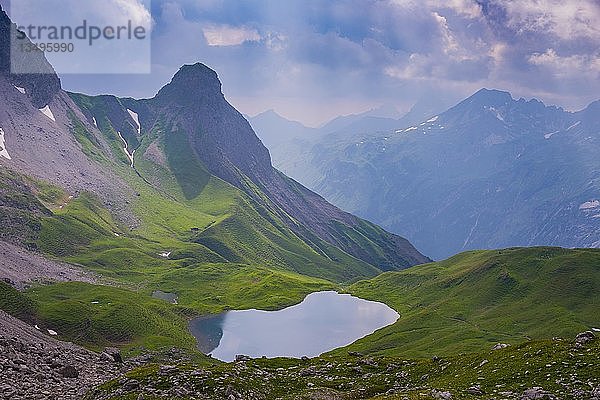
[97, 316]
[179, 202]
[82, 231]
[479, 298]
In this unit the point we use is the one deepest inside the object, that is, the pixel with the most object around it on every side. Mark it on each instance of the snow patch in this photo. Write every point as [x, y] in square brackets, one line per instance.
[136, 119]
[494, 111]
[549, 135]
[48, 113]
[596, 216]
[95, 122]
[588, 205]
[3, 150]
[37, 327]
[574, 125]
[412, 128]
[52, 333]
[20, 89]
[433, 119]
[129, 155]
[165, 254]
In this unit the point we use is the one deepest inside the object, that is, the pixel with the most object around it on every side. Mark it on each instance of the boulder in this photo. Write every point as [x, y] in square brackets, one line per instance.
[69, 371]
[241, 357]
[500, 346]
[537, 393]
[585, 337]
[310, 371]
[114, 353]
[442, 395]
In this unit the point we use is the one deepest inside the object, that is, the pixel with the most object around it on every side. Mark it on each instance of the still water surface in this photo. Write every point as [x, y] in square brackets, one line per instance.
[322, 322]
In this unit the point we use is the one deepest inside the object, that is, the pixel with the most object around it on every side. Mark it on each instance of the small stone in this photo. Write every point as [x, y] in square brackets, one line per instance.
[475, 390]
[131, 385]
[537, 393]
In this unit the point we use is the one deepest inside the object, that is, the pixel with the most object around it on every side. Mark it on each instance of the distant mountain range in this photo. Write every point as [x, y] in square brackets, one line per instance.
[489, 172]
[291, 143]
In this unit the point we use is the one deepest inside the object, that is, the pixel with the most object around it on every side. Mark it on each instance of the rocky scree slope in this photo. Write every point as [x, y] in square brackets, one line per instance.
[46, 135]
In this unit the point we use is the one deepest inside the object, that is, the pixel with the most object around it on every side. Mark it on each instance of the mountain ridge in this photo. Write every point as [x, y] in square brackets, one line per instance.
[505, 172]
[228, 148]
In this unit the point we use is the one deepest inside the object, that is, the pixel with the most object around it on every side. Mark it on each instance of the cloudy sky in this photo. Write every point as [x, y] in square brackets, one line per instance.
[313, 59]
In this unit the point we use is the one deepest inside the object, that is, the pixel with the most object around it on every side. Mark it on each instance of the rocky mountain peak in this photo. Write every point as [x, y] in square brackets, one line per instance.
[490, 97]
[40, 87]
[190, 84]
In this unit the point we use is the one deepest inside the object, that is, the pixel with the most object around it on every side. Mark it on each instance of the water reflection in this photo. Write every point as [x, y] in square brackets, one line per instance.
[322, 322]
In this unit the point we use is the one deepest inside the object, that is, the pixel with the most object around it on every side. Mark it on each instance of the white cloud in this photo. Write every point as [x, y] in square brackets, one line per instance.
[464, 8]
[225, 35]
[451, 46]
[73, 12]
[276, 41]
[135, 11]
[563, 66]
[567, 20]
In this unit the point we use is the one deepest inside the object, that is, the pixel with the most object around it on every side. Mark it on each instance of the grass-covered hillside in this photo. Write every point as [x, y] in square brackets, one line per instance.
[133, 261]
[476, 299]
[216, 253]
[180, 201]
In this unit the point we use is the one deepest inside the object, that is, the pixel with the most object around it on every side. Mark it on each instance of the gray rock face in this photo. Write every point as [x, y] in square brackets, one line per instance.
[40, 88]
[39, 131]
